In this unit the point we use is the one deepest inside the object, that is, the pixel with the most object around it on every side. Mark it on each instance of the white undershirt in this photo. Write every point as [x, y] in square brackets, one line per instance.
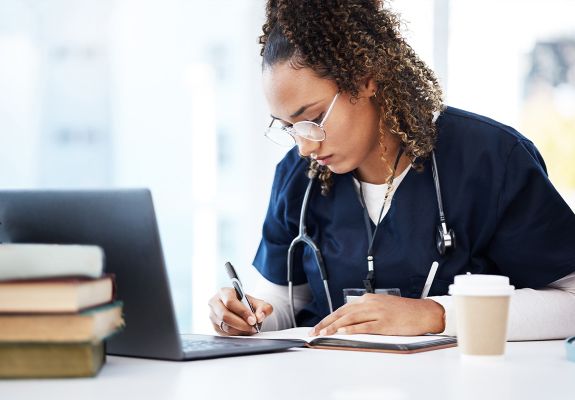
[373, 195]
[547, 313]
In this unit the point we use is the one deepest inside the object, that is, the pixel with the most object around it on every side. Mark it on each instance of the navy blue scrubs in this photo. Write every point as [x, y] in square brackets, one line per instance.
[507, 216]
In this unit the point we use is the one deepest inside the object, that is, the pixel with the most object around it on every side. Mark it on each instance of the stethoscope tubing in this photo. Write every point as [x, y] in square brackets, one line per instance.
[304, 238]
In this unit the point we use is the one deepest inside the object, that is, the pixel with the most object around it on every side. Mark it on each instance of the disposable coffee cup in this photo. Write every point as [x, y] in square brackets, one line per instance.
[481, 314]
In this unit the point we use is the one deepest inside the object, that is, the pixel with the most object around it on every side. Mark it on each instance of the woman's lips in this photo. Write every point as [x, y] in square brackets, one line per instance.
[323, 160]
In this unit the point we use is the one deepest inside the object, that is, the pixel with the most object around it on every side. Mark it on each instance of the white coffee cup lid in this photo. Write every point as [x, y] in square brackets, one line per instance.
[481, 285]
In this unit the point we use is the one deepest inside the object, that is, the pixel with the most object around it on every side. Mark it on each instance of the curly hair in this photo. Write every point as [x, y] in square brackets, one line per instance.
[347, 41]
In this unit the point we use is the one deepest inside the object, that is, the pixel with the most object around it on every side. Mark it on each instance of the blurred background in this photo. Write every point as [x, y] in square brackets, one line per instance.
[166, 94]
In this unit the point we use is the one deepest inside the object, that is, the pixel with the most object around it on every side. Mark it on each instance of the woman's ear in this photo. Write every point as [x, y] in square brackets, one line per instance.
[368, 87]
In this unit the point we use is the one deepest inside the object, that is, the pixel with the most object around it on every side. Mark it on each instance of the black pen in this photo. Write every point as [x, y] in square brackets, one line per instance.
[240, 291]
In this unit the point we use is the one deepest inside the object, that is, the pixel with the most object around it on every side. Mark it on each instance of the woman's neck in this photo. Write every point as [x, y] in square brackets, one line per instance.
[377, 171]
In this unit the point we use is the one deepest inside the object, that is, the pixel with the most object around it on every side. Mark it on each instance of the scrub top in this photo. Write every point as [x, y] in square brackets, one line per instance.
[507, 217]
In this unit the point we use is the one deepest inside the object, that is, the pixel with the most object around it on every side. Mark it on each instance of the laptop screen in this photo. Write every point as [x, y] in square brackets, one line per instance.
[123, 223]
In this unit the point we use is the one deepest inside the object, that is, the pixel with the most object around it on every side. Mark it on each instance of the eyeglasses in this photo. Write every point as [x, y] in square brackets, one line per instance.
[286, 135]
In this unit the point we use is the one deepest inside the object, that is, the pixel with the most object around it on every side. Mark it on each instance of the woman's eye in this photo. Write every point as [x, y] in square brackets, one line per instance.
[318, 119]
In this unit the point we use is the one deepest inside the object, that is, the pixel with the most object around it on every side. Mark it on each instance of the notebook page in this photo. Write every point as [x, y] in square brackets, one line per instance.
[302, 334]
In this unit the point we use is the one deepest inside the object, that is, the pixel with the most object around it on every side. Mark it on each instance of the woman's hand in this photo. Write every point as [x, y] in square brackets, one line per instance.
[230, 317]
[384, 315]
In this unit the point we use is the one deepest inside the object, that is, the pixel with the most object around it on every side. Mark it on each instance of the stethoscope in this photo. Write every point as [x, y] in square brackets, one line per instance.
[444, 239]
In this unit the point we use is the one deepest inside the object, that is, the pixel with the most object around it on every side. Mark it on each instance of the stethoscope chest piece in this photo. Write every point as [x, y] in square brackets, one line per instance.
[444, 236]
[444, 239]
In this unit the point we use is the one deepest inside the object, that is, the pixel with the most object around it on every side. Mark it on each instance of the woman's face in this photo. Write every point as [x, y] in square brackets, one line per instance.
[352, 131]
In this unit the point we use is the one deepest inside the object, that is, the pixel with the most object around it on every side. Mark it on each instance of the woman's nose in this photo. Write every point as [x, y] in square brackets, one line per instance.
[307, 147]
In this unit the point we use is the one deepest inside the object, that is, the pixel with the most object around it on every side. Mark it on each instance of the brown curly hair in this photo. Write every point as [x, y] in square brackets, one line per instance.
[347, 41]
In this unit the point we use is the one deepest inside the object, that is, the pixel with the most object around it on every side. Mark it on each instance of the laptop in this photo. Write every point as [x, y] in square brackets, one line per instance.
[123, 223]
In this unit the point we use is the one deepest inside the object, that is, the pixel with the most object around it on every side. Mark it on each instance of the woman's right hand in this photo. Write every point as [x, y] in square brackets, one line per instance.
[230, 317]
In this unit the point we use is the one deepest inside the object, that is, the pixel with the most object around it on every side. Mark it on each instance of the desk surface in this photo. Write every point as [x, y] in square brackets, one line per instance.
[531, 370]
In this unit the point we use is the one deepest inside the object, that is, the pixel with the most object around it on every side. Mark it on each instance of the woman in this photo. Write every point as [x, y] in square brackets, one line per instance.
[377, 126]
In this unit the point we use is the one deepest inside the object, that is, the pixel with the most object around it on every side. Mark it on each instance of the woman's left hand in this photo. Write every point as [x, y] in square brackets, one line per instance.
[384, 315]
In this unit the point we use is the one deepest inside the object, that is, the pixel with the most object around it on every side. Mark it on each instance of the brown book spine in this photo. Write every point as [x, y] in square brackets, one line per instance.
[49, 360]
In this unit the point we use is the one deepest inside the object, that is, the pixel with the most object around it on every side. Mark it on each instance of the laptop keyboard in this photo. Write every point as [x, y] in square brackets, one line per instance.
[196, 344]
[197, 347]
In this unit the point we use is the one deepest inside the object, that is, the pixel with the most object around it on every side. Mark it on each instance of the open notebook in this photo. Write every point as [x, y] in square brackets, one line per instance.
[360, 342]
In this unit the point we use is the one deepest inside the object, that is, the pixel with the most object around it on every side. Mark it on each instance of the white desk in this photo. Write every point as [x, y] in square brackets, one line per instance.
[532, 370]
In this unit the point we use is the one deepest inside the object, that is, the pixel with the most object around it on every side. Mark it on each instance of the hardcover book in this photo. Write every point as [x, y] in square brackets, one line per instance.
[50, 360]
[91, 325]
[54, 295]
[31, 261]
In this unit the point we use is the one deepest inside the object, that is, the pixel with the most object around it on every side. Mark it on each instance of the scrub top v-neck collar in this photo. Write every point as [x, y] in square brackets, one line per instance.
[369, 281]
[374, 193]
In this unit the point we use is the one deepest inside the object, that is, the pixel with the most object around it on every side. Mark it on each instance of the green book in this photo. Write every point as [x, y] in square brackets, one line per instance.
[51, 360]
[91, 325]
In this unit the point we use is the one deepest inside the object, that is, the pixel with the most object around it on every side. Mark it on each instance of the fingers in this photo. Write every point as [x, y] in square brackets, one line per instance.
[341, 320]
[349, 314]
[226, 308]
[227, 322]
[225, 329]
[364, 327]
[229, 316]
[262, 309]
[319, 329]
[229, 299]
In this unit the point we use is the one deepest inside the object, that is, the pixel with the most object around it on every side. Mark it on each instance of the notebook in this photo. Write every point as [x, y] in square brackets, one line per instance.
[363, 342]
[123, 223]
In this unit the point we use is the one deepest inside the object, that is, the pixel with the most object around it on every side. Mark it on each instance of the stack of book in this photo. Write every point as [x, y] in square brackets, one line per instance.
[56, 310]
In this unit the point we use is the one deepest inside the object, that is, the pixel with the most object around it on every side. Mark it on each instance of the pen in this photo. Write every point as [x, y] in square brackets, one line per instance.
[240, 291]
[429, 279]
